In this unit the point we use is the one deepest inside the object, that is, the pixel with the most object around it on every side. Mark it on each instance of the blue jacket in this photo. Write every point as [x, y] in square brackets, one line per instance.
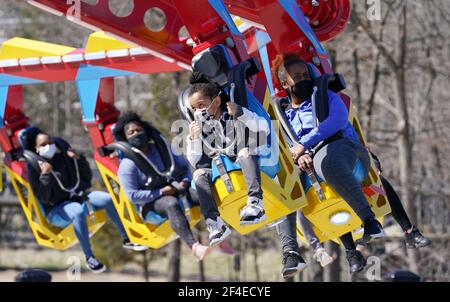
[133, 180]
[302, 121]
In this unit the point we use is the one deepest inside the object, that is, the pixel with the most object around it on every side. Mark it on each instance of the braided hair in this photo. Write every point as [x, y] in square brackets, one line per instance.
[201, 83]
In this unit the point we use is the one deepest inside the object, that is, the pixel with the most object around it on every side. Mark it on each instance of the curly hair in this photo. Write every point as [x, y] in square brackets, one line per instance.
[281, 63]
[132, 117]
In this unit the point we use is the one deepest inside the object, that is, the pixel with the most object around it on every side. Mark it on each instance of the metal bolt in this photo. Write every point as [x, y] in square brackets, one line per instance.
[316, 60]
[230, 42]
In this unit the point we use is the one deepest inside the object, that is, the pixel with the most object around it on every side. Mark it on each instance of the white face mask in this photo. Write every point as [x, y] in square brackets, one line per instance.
[202, 115]
[48, 151]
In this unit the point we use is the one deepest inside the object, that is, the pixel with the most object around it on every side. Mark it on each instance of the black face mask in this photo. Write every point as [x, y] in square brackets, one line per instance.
[138, 140]
[302, 90]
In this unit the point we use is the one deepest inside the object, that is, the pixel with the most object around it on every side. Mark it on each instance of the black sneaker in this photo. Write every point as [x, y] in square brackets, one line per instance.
[356, 261]
[372, 230]
[127, 244]
[94, 265]
[293, 263]
[415, 239]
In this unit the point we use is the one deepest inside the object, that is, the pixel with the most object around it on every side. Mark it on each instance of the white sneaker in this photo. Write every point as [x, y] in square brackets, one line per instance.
[253, 212]
[218, 230]
[127, 244]
[321, 256]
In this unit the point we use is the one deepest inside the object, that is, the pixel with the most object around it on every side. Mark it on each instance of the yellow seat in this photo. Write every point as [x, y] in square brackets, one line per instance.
[281, 195]
[319, 212]
[45, 233]
[138, 230]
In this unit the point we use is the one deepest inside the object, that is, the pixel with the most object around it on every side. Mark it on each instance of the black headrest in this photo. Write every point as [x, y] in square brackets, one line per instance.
[27, 137]
[33, 275]
[338, 83]
[213, 62]
[184, 106]
[402, 276]
[32, 159]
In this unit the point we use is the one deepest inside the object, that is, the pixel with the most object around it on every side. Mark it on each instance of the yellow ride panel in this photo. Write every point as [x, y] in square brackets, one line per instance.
[46, 234]
[20, 48]
[101, 41]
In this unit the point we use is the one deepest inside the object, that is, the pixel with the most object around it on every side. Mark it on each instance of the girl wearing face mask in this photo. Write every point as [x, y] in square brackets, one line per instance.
[161, 199]
[334, 162]
[211, 110]
[61, 187]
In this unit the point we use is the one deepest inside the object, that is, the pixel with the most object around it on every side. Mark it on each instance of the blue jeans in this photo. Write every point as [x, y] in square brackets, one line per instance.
[75, 213]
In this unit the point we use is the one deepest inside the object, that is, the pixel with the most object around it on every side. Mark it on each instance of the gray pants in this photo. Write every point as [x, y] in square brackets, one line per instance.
[168, 207]
[335, 164]
[287, 232]
[202, 179]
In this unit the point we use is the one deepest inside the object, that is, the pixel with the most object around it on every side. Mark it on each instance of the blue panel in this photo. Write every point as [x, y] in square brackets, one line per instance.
[262, 39]
[3, 98]
[225, 15]
[154, 218]
[268, 162]
[230, 166]
[313, 70]
[7, 80]
[88, 92]
[296, 14]
[91, 72]
[359, 172]
[305, 180]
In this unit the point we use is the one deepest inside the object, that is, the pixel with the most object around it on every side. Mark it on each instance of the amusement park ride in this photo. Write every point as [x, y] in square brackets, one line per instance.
[225, 37]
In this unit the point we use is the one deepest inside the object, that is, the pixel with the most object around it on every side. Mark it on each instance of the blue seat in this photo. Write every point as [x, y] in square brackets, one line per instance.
[59, 221]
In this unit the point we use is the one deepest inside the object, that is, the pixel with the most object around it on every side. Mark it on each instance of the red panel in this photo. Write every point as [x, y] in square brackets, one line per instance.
[132, 27]
[327, 20]
[14, 119]
[105, 113]
[145, 64]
